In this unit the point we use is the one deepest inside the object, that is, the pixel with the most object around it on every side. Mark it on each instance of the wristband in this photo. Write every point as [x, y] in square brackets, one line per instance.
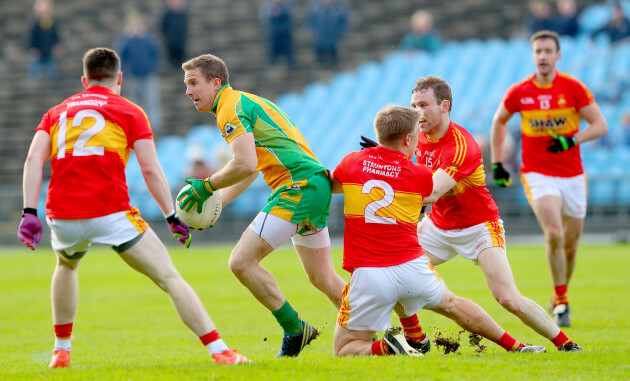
[167, 215]
[210, 185]
[172, 218]
[32, 211]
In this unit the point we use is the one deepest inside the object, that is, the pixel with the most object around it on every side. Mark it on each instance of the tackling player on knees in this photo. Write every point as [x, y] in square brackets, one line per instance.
[383, 192]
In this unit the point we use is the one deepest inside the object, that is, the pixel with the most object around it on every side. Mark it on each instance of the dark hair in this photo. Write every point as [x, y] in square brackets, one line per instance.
[441, 89]
[211, 65]
[541, 34]
[101, 64]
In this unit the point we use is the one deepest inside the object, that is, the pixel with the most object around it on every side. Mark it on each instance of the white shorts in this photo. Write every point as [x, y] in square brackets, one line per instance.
[73, 238]
[572, 191]
[468, 242]
[370, 296]
[276, 231]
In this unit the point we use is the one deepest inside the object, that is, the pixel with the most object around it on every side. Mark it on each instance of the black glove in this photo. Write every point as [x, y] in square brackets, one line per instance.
[560, 143]
[501, 176]
[367, 143]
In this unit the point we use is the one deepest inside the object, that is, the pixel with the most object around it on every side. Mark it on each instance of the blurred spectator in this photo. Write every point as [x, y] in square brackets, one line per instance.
[175, 31]
[44, 42]
[328, 21]
[276, 15]
[625, 128]
[618, 27]
[566, 21]
[199, 169]
[422, 35]
[540, 17]
[140, 57]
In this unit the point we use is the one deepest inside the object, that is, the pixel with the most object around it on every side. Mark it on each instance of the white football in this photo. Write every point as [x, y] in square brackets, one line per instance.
[210, 212]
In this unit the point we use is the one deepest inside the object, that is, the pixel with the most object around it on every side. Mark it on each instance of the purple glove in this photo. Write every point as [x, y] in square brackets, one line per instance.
[30, 231]
[180, 229]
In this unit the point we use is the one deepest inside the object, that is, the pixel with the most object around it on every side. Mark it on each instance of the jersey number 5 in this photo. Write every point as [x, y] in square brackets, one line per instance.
[372, 207]
[79, 148]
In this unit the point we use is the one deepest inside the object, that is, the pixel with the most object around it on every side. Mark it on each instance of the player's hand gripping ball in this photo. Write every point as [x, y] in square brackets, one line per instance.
[210, 211]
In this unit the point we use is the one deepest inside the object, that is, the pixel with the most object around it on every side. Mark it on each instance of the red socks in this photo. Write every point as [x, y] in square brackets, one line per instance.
[508, 343]
[63, 331]
[560, 339]
[560, 295]
[209, 337]
[412, 328]
[379, 348]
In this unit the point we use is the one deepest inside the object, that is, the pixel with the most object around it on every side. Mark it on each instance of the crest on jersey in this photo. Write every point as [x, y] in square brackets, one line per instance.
[230, 128]
[562, 102]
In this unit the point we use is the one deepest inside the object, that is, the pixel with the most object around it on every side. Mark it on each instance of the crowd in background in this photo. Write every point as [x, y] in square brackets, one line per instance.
[327, 23]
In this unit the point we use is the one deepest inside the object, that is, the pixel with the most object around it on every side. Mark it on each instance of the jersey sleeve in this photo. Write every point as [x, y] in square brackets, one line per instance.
[45, 123]
[456, 159]
[233, 121]
[583, 96]
[425, 179]
[510, 100]
[141, 128]
[338, 172]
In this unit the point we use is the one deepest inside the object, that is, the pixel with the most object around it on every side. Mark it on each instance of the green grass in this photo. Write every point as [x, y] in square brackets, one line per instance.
[126, 328]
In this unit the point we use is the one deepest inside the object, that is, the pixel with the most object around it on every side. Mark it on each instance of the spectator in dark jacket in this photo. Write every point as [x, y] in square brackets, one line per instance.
[44, 42]
[328, 21]
[566, 22]
[617, 28]
[277, 17]
[540, 17]
[175, 31]
[140, 59]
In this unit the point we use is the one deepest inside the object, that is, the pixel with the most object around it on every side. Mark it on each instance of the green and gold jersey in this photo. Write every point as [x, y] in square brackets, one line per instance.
[283, 155]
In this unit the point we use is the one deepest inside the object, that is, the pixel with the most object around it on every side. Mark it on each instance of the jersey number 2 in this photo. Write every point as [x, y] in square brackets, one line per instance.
[79, 148]
[372, 207]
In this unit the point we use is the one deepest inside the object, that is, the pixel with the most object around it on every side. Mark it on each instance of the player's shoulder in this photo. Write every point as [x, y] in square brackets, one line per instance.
[464, 140]
[522, 84]
[570, 80]
[355, 156]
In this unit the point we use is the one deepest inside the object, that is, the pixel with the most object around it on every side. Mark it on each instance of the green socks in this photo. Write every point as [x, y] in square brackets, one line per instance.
[287, 317]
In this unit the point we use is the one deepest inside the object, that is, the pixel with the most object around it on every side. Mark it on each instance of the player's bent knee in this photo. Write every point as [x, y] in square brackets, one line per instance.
[237, 266]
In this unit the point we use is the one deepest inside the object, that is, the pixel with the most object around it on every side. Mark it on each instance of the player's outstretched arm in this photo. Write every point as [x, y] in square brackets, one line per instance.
[153, 174]
[243, 164]
[157, 184]
[30, 229]
[233, 191]
[498, 130]
[442, 183]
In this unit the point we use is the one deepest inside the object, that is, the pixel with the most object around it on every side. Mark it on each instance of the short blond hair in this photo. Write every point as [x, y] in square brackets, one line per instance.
[211, 66]
[392, 123]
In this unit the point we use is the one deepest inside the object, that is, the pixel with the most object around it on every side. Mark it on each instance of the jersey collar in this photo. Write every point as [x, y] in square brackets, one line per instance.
[382, 151]
[541, 86]
[99, 89]
[449, 132]
[217, 98]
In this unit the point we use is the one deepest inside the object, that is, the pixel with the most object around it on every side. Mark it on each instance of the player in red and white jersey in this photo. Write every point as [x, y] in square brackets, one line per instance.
[88, 138]
[551, 104]
[383, 192]
[464, 218]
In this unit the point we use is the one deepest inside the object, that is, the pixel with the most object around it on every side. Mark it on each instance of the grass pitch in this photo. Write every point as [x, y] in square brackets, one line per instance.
[126, 328]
